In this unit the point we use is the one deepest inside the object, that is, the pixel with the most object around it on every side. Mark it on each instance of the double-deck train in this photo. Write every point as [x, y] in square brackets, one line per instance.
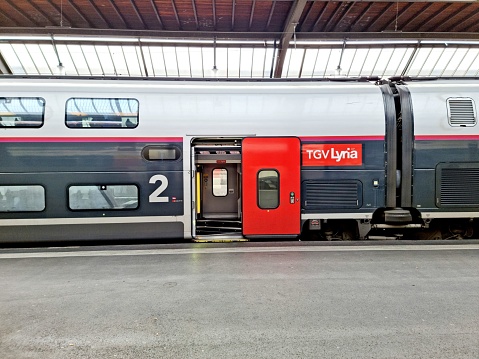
[111, 158]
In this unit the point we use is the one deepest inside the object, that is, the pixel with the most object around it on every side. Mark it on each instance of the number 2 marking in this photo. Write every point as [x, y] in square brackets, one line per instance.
[155, 196]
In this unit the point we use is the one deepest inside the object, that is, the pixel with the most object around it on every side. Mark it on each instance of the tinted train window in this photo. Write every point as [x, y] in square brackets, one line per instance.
[103, 197]
[22, 198]
[102, 113]
[161, 153]
[22, 111]
[268, 189]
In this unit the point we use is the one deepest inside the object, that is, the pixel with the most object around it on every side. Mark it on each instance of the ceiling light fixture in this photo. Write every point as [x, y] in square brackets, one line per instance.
[214, 69]
[60, 67]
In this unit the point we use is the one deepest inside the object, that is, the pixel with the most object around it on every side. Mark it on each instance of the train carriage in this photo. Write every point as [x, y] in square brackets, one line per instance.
[109, 159]
[440, 159]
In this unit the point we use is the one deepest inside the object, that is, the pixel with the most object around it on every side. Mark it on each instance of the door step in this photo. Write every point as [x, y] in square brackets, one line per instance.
[220, 238]
[218, 226]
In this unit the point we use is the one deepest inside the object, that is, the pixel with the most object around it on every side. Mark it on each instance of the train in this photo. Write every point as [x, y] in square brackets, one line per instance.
[92, 159]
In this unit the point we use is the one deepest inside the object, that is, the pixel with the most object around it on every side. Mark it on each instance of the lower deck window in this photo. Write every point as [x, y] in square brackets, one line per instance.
[114, 197]
[22, 198]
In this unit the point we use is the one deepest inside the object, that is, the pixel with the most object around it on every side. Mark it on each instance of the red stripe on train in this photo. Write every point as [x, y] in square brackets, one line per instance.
[342, 138]
[174, 139]
[446, 137]
[90, 139]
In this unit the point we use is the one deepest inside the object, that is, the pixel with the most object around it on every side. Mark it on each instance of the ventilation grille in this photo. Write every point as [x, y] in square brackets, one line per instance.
[459, 187]
[323, 195]
[461, 112]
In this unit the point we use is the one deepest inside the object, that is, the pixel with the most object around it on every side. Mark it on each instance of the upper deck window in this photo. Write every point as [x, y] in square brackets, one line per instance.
[102, 112]
[22, 111]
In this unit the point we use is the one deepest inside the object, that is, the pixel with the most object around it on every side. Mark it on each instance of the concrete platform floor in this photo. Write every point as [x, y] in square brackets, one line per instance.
[241, 300]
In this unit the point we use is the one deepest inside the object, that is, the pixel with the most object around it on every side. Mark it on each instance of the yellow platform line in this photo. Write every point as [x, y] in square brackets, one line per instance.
[219, 240]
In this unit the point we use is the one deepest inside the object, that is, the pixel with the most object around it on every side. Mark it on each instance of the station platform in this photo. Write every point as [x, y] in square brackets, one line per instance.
[241, 300]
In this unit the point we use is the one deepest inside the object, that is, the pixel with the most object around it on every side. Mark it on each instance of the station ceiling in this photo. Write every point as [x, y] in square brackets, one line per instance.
[239, 38]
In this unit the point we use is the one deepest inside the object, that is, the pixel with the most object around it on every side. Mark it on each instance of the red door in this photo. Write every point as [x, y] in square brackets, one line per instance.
[271, 186]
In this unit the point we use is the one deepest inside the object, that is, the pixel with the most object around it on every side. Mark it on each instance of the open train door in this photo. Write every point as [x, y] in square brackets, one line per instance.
[271, 186]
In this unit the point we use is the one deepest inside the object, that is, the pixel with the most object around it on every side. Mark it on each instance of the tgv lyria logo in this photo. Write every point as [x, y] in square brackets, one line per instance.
[333, 154]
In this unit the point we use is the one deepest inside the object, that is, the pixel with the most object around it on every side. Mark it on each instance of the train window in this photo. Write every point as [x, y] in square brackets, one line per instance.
[115, 197]
[268, 189]
[22, 111]
[220, 182]
[461, 112]
[102, 113]
[161, 153]
[30, 198]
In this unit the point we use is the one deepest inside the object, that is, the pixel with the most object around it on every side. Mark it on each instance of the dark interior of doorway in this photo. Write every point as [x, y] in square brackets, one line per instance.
[218, 186]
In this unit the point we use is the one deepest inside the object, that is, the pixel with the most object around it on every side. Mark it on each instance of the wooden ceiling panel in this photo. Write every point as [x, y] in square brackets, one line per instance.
[466, 20]
[204, 12]
[422, 16]
[224, 10]
[331, 19]
[187, 15]
[279, 16]
[382, 17]
[312, 15]
[6, 18]
[345, 18]
[261, 18]
[100, 14]
[71, 15]
[133, 15]
[360, 16]
[322, 17]
[169, 15]
[18, 12]
[243, 10]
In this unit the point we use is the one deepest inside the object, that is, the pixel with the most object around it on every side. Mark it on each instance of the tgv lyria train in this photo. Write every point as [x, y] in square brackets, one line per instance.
[95, 159]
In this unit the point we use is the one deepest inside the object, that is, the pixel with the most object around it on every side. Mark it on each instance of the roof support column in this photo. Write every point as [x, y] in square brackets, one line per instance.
[288, 32]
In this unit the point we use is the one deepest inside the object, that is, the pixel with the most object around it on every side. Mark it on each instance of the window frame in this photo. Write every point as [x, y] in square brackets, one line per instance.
[26, 186]
[101, 187]
[213, 182]
[258, 188]
[145, 153]
[38, 98]
[107, 123]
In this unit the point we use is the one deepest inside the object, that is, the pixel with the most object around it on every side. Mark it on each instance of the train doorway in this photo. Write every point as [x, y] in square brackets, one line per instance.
[217, 168]
[246, 187]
